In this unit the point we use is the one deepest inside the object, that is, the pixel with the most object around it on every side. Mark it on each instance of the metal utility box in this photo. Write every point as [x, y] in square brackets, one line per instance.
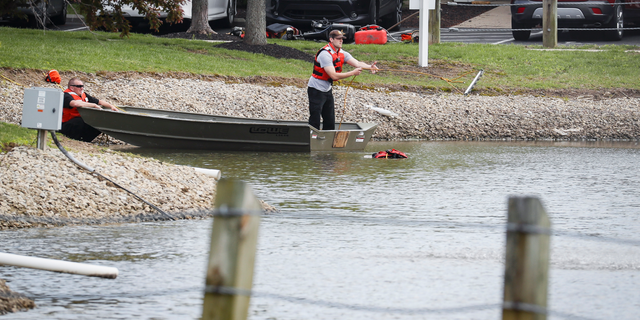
[42, 108]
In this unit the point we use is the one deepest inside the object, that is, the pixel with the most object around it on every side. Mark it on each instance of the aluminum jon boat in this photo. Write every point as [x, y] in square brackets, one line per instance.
[152, 128]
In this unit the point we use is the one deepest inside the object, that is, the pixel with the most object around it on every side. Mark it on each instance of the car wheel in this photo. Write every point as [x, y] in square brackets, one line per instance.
[520, 35]
[373, 12]
[231, 14]
[617, 22]
[394, 17]
[60, 19]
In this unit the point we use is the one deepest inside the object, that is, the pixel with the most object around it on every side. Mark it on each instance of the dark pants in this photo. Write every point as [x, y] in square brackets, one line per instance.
[78, 130]
[321, 104]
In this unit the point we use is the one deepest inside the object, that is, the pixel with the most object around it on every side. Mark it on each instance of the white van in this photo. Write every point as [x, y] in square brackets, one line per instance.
[224, 10]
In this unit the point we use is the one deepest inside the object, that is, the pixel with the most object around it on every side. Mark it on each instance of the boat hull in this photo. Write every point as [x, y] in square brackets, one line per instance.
[151, 128]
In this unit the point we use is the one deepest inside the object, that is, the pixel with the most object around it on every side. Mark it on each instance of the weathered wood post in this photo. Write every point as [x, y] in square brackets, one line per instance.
[434, 24]
[231, 261]
[549, 23]
[526, 274]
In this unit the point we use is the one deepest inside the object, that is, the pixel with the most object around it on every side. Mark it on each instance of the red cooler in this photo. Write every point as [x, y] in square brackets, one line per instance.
[371, 34]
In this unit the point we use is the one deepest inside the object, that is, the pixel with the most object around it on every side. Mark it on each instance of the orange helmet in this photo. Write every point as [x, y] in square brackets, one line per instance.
[53, 76]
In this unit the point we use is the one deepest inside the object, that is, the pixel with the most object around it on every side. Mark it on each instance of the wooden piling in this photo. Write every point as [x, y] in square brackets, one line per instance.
[550, 23]
[526, 275]
[232, 255]
[434, 24]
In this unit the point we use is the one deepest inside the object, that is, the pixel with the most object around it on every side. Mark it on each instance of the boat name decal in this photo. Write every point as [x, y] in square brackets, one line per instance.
[269, 130]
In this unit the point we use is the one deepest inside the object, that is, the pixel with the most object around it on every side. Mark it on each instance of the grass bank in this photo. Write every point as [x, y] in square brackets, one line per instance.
[12, 135]
[507, 67]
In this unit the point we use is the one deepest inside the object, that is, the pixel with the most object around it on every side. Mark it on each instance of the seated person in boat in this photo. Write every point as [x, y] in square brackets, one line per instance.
[72, 124]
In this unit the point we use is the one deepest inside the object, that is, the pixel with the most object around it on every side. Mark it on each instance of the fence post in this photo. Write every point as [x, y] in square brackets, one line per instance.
[526, 274]
[434, 24]
[232, 255]
[550, 23]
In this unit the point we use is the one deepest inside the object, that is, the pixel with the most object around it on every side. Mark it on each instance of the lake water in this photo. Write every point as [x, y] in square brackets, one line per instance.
[358, 238]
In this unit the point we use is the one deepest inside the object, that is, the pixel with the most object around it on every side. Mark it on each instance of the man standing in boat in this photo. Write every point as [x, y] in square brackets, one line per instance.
[72, 124]
[327, 68]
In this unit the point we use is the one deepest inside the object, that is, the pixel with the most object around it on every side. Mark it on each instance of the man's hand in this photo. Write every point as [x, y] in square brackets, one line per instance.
[374, 69]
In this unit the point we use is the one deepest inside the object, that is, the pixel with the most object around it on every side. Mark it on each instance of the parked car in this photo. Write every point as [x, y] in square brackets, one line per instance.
[47, 12]
[219, 10]
[584, 14]
[301, 13]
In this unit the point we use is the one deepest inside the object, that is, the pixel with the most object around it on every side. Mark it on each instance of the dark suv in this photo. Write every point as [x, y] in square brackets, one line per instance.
[576, 14]
[41, 12]
[300, 13]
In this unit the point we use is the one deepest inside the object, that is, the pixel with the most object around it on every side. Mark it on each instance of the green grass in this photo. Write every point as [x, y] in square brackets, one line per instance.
[11, 133]
[505, 66]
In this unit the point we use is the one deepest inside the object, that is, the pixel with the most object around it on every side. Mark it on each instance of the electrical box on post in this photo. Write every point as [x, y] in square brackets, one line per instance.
[42, 108]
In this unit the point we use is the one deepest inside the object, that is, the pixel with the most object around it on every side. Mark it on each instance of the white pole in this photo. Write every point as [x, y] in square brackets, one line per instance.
[58, 266]
[423, 43]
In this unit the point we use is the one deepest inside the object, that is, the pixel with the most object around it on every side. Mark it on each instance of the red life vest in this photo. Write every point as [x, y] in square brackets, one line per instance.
[337, 57]
[70, 113]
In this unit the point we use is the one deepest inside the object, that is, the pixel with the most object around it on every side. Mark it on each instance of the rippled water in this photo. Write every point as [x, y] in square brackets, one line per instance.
[361, 238]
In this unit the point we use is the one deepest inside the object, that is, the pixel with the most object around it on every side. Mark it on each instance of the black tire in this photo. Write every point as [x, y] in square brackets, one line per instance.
[520, 35]
[394, 17]
[61, 19]
[373, 12]
[231, 14]
[617, 22]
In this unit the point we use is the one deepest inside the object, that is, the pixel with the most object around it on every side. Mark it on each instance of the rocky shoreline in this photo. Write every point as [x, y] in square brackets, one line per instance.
[60, 193]
[427, 116]
[62, 196]
[43, 188]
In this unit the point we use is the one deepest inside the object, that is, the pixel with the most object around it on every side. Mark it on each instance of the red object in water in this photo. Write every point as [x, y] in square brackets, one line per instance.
[389, 154]
[371, 36]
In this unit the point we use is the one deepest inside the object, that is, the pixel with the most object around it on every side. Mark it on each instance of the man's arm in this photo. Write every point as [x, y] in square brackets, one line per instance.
[107, 104]
[359, 64]
[93, 103]
[327, 64]
[78, 103]
[331, 71]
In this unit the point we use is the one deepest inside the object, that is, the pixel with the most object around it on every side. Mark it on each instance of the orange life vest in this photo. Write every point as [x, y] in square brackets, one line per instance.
[337, 57]
[70, 113]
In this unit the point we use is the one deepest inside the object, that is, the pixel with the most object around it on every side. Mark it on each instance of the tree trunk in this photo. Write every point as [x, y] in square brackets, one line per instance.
[255, 32]
[199, 21]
